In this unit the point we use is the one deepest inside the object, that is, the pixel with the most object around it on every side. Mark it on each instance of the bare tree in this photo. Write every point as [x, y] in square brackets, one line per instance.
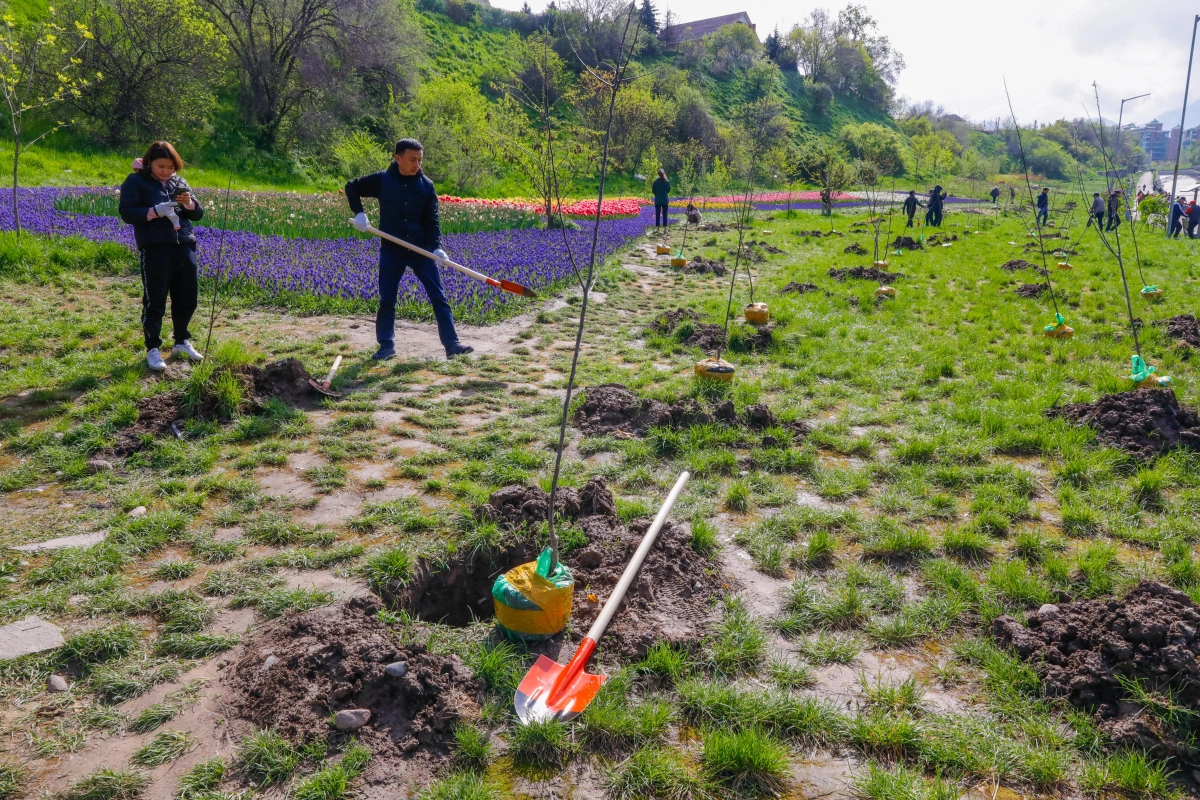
[290, 51]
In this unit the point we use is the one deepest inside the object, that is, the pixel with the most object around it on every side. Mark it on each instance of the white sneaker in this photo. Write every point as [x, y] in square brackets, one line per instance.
[186, 350]
[154, 360]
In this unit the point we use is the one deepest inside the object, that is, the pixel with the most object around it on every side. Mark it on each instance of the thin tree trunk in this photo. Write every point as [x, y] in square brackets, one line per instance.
[16, 159]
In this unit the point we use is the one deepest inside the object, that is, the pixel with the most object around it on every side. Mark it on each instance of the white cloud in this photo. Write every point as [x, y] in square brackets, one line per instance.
[1049, 50]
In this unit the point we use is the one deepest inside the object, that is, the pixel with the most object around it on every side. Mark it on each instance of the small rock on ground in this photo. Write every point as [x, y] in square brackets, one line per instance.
[351, 719]
[57, 683]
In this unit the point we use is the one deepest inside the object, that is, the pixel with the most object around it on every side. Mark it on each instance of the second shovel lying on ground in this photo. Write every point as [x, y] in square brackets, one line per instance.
[553, 691]
[323, 386]
[507, 286]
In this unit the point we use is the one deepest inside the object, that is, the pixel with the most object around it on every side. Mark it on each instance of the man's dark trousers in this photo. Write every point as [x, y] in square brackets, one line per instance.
[911, 214]
[1114, 220]
[168, 268]
[391, 269]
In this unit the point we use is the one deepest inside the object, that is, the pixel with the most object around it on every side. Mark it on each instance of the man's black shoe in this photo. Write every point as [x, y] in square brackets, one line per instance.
[461, 350]
[385, 352]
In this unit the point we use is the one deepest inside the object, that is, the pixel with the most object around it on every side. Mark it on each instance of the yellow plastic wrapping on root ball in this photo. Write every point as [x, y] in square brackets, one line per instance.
[532, 602]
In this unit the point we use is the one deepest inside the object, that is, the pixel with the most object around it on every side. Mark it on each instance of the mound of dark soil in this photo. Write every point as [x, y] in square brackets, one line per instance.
[286, 380]
[1030, 289]
[1184, 328]
[1015, 264]
[799, 288]
[672, 599]
[688, 412]
[760, 339]
[610, 407]
[1142, 422]
[945, 237]
[667, 322]
[705, 266]
[865, 274]
[297, 671]
[517, 506]
[818, 234]
[856, 248]
[1082, 649]
[709, 338]
[906, 243]
[155, 415]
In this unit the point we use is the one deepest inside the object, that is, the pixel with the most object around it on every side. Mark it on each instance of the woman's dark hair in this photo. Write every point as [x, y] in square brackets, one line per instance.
[161, 150]
[408, 144]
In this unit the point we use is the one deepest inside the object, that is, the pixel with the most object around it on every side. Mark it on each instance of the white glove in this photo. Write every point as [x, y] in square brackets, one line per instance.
[361, 222]
[165, 209]
[441, 254]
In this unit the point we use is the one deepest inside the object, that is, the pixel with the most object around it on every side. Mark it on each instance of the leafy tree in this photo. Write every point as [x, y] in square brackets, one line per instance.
[916, 126]
[301, 56]
[160, 60]
[639, 117]
[733, 45]
[876, 144]
[931, 155]
[1050, 159]
[824, 164]
[649, 17]
[813, 44]
[449, 117]
[847, 54]
[760, 78]
[39, 69]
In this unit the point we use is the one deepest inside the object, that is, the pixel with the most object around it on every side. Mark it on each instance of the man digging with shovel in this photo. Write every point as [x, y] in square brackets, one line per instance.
[408, 210]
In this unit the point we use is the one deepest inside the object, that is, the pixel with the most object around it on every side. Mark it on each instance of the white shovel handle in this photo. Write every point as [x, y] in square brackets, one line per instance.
[337, 362]
[479, 276]
[635, 564]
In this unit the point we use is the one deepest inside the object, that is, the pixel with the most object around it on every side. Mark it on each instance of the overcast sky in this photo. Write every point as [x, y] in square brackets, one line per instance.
[1049, 50]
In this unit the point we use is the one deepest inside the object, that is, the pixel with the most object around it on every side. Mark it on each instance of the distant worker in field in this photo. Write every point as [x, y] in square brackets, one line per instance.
[662, 197]
[1193, 220]
[1043, 206]
[693, 214]
[995, 194]
[1175, 220]
[159, 204]
[911, 203]
[937, 200]
[1097, 210]
[1114, 210]
[1012, 194]
[408, 210]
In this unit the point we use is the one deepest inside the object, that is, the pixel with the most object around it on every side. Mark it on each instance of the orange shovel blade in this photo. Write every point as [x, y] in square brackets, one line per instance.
[517, 288]
[532, 701]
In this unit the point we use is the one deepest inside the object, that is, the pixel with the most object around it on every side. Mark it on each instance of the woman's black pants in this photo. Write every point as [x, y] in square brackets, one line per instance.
[168, 269]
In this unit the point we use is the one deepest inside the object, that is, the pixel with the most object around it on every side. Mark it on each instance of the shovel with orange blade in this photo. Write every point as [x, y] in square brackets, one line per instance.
[551, 691]
[507, 286]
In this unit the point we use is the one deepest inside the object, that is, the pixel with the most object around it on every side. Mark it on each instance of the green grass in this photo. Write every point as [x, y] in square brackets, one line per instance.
[654, 773]
[12, 777]
[163, 748]
[748, 762]
[542, 744]
[108, 784]
[265, 757]
[202, 780]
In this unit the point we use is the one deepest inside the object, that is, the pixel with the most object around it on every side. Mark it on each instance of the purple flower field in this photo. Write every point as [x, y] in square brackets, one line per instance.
[346, 269]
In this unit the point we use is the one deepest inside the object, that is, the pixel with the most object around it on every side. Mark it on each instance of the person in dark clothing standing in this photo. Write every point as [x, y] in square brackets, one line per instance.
[159, 204]
[1114, 210]
[1176, 217]
[1012, 194]
[937, 199]
[1193, 219]
[910, 206]
[1043, 206]
[995, 194]
[408, 210]
[662, 197]
[1098, 209]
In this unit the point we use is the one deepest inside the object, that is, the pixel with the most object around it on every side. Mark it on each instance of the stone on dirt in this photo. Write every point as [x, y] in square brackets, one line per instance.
[30, 635]
[78, 540]
[57, 683]
[351, 719]
[140, 511]
[396, 669]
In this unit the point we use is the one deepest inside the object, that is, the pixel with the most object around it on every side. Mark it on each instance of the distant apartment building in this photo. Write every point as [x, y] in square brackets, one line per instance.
[1153, 140]
[691, 31]
[1189, 136]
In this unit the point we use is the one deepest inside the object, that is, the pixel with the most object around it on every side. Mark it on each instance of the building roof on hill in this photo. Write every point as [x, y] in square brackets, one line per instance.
[690, 31]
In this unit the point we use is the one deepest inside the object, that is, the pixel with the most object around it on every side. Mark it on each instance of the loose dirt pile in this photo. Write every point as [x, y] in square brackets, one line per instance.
[757, 340]
[1082, 650]
[1030, 289]
[865, 274]
[667, 322]
[1143, 422]
[1184, 328]
[799, 288]
[705, 266]
[611, 408]
[298, 671]
[1016, 264]
[906, 243]
[856, 248]
[672, 600]
[818, 234]
[155, 415]
[286, 380]
[946, 237]
[709, 338]
[516, 507]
